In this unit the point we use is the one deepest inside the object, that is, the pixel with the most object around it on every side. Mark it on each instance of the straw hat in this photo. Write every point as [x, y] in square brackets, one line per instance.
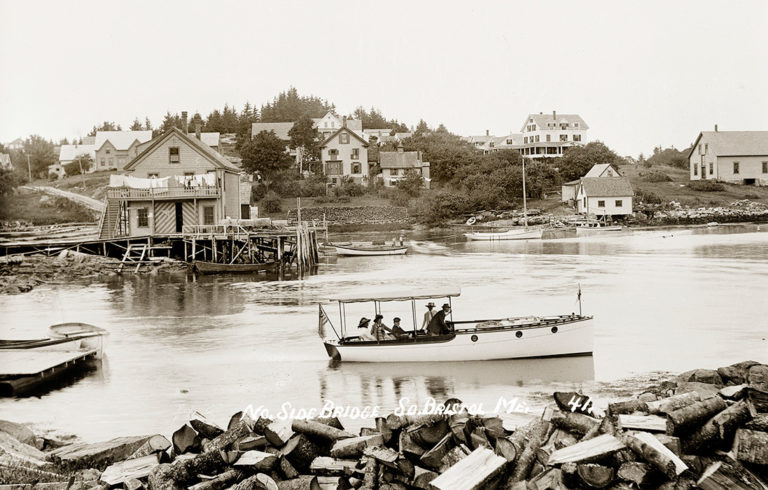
[446, 305]
[431, 304]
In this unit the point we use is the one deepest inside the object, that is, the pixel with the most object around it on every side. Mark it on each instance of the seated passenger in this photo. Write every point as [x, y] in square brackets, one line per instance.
[397, 330]
[379, 330]
[362, 329]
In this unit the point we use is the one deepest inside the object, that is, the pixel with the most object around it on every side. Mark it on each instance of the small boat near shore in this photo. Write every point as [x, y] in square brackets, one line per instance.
[358, 250]
[217, 268]
[513, 234]
[590, 227]
[468, 340]
[29, 363]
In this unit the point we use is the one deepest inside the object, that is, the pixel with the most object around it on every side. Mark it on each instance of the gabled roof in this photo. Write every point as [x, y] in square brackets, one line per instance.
[213, 156]
[734, 143]
[344, 128]
[121, 140]
[397, 159]
[71, 152]
[281, 129]
[541, 120]
[606, 187]
[599, 169]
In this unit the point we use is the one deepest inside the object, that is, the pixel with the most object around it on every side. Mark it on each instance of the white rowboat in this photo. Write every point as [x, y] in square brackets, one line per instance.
[521, 234]
[367, 250]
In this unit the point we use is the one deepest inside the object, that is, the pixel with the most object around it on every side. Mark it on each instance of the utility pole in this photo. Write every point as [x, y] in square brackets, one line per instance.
[29, 168]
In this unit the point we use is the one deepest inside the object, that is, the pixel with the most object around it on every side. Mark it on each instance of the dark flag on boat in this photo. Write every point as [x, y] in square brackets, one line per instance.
[578, 296]
[322, 323]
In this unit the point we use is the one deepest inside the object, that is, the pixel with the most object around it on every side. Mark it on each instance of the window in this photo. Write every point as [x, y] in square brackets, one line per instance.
[142, 218]
[492, 144]
[111, 161]
[711, 167]
[575, 125]
[525, 140]
[208, 215]
[706, 147]
[563, 125]
[735, 167]
[695, 170]
[102, 162]
[356, 168]
[600, 204]
[153, 175]
[537, 138]
[584, 202]
[563, 137]
[108, 151]
[765, 167]
[344, 138]
[333, 154]
[530, 120]
[533, 127]
[618, 203]
[549, 137]
[576, 137]
[173, 155]
[355, 154]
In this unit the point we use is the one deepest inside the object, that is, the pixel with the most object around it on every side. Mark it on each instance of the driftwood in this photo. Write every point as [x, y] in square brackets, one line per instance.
[751, 446]
[684, 419]
[130, 468]
[256, 461]
[595, 475]
[319, 430]
[675, 402]
[154, 444]
[472, 472]
[185, 439]
[587, 451]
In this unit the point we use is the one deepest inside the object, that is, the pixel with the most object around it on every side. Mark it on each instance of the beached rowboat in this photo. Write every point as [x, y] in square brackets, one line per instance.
[475, 340]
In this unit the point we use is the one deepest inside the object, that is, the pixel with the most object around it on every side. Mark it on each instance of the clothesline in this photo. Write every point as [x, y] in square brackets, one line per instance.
[198, 180]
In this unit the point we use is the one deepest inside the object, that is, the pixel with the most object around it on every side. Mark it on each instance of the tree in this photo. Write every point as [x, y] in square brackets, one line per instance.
[40, 153]
[304, 138]
[422, 127]
[81, 164]
[411, 183]
[669, 156]
[136, 125]
[265, 154]
[8, 182]
[105, 126]
[577, 160]
[147, 124]
[290, 106]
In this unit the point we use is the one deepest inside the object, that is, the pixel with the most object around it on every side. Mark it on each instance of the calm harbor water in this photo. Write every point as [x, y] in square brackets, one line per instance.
[663, 300]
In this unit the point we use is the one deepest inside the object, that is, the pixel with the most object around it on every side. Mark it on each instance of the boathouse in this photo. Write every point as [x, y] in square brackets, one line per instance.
[173, 185]
[604, 196]
[569, 189]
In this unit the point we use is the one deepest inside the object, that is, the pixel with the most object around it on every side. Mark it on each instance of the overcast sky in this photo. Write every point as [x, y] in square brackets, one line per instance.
[641, 74]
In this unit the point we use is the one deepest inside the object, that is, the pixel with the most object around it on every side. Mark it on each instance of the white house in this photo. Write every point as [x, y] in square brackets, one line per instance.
[548, 136]
[114, 149]
[604, 196]
[737, 157]
[395, 164]
[569, 189]
[345, 154]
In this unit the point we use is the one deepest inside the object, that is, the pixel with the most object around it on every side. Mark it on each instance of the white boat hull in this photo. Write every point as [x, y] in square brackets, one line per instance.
[368, 251]
[591, 230]
[569, 339]
[529, 234]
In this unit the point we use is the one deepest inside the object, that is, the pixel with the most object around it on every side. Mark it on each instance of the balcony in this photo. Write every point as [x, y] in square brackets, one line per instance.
[160, 193]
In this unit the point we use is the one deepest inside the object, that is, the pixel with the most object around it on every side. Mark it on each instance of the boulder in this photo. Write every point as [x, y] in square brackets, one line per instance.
[735, 374]
[20, 432]
[709, 376]
[704, 389]
[758, 376]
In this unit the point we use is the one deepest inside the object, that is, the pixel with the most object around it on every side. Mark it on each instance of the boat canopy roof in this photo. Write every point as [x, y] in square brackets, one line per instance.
[396, 295]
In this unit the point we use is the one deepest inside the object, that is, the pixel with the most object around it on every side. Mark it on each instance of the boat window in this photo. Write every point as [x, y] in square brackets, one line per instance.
[518, 334]
[554, 329]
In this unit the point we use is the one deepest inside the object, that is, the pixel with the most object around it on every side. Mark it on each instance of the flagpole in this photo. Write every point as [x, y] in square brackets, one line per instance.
[579, 299]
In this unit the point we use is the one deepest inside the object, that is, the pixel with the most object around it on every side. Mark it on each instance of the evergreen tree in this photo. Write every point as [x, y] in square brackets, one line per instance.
[136, 125]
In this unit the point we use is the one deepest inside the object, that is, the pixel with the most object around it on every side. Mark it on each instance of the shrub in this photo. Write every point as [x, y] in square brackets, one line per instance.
[656, 176]
[440, 206]
[348, 187]
[271, 203]
[751, 196]
[258, 191]
[706, 186]
[648, 197]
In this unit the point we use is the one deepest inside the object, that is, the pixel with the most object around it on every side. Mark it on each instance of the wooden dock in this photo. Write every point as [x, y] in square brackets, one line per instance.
[22, 370]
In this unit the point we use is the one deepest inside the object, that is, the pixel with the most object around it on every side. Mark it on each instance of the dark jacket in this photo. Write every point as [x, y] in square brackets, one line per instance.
[437, 325]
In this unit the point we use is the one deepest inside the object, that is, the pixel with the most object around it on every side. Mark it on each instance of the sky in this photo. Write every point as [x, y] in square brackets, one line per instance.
[641, 74]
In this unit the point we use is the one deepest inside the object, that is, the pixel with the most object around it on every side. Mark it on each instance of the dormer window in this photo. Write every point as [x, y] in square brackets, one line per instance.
[530, 120]
[575, 125]
[563, 125]
[108, 151]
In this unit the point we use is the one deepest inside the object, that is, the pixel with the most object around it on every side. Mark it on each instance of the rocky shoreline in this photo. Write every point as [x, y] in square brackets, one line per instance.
[705, 428]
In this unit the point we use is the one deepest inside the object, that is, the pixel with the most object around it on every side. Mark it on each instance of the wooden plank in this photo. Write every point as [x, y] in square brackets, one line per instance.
[472, 472]
[590, 449]
[652, 423]
[27, 362]
[132, 468]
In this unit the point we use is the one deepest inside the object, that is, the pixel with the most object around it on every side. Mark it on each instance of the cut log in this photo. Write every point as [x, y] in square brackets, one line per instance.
[454, 456]
[278, 433]
[185, 439]
[261, 424]
[718, 429]
[396, 422]
[758, 397]
[302, 482]
[458, 424]
[672, 443]
[494, 427]
[505, 448]
[760, 422]
[332, 421]
[587, 451]
[570, 475]
[729, 475]
[654, 452]
[751, 446]
[184, 471]
[317, 429]
[432, 458]
[735, 392]
[406, 445]
[370, 473]
[423, 477]
[227, 438]
[574, 422]
[256, 461]
[692, 416]
[652, 423]
[472, 472]
[134, 484]
[542, 454]
[300, 451]
[234, 419]
[221, 481]
[154, 444]
[382, 455]
[643, 475]
[536, 438]
[259, 481]
[479, 439]
[287, 469]
[428, 435]
[627, 407]
[248, 443]
[324, 465]
[97, 455]
[595, 475]
[383, 429]
[131, 468]
[550, 479]
[675, 402]
[353, 447]
[331, 483]
[205, 428]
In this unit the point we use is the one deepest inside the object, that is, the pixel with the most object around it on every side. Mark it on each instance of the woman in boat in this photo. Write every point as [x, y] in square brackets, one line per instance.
[379, 331]
[363, 333]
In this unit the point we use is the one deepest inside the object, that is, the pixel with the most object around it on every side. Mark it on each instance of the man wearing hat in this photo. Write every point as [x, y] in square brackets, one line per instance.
[397, 330]
[428, 315]
[437, 325]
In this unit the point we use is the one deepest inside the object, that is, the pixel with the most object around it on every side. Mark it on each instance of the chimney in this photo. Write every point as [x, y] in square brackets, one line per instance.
[184, 122]
[487, 132]
[197, 129]
[400, 148]
[554, 115]
[715, 128]
[344, 122]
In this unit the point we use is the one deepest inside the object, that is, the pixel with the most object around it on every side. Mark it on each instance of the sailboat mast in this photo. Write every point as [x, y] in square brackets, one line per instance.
[525, 207]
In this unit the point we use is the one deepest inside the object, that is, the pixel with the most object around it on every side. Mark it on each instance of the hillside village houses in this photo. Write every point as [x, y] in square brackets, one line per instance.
[488, 143]
[737, 157]
[344, 153]
[17, 144]
[548, 136]
[176, 182]
[114, 149]
[569, 189]
[395, 164]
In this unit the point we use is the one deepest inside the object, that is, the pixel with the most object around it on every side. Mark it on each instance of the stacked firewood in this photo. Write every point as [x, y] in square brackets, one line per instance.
[705, 429]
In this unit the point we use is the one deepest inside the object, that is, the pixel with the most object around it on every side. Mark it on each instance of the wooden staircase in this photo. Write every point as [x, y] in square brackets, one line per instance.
[109, 219]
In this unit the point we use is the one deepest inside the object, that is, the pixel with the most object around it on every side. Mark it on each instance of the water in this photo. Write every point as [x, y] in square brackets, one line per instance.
[663, 300]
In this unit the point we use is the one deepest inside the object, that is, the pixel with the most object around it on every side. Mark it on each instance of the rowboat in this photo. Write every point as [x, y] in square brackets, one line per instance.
[471, 340]
[29, 363]
[370, 249]
[216, 268]
[589, 227]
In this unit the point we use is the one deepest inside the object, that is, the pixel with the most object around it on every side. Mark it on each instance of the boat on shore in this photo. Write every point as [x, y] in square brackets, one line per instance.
[358, 250]
[217, 268]
[27, 364]
[468, 340]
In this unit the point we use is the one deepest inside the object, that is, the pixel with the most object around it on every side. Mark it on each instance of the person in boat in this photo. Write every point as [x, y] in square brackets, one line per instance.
[397, 330]
[428, 315]
[379, 331]
[363, 331]
[438, 326]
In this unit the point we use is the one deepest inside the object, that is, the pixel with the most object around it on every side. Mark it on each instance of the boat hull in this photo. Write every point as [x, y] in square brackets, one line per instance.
[563, 339]
[213, 268]
[593, 230]
[368, 251]
[529, 234]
